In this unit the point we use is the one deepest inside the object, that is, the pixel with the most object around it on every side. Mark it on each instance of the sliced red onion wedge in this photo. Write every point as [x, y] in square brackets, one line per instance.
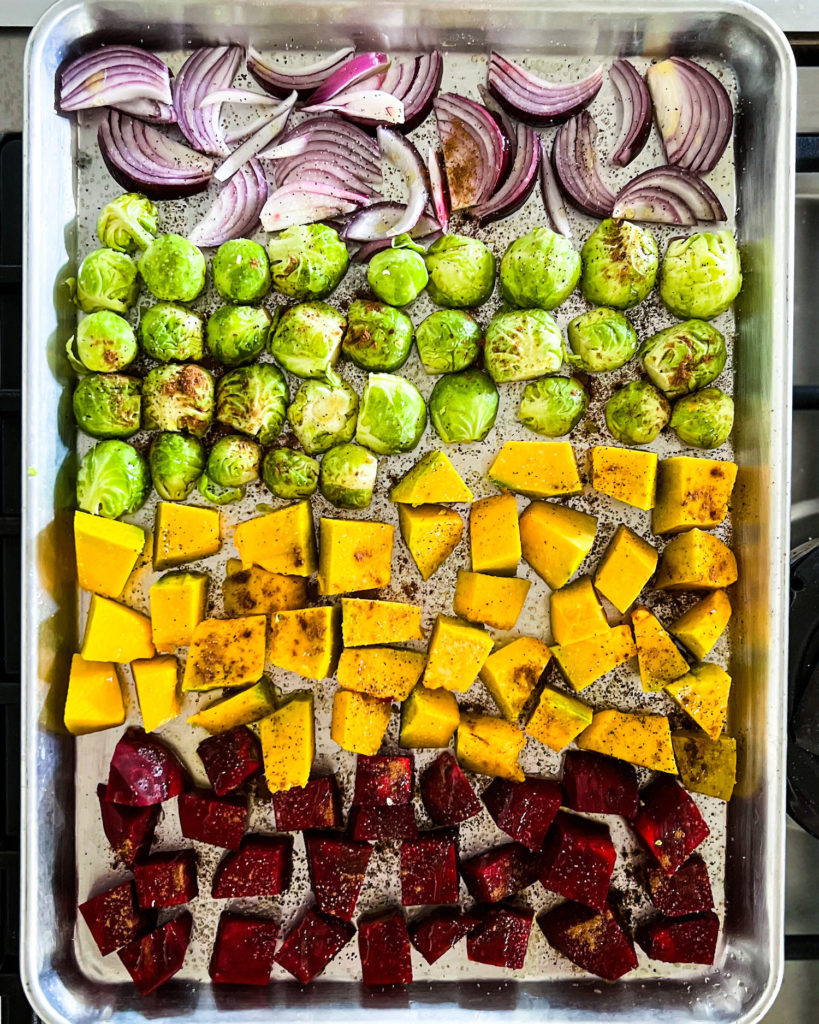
[306, 202]
[151, 111]
[257, 142]
[438, 191]
[344, 79]
[113, 75]
[518, 184]
[322, 140]
[634, 103]
[368, 104]
[243, 97]
[375, 225]
[574, 157]
[552, 197]
[505, 122]
[533, 99]
[282, 81]
[668, 195]
[207, 70]
[473, 146]
[429, 70]
[324, 170]
[236, 210]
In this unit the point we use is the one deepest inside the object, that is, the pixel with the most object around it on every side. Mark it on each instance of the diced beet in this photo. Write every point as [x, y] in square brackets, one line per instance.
[447, 793]
[501, 935]
[143, 771]
[316, 805]
[429, 869]
[500, 872]
[166, 879]
[129, 830]
[231, 758]
[383, 779]
[243, 951]
[114, 919]
[596, 784]
[207, 818]
[384, 948]
[669, 823]
[437, 932]
[578, 860]
[524, 810]
[591, 939]
[686, 892]
[337, 868]
[312, 944]
[373, 824]
[260, 867]
[681, 940]
[155, 958]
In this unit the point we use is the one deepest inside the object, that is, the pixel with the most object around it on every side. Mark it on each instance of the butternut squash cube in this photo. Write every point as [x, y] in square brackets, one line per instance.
[696, 560]
[692, 492]
[429, 718]
[365, 623]
[587, 660]
[431, 533]
[382, 672]
[116, 633]
[239, 709]
[558, 719]
[626, 474]
[555, 540]
[496, 601]
[288, 743]
[183, 533]
[701, 626]
[178, 603]
[575, 612]
[490, 746]
[456, 654]
[642, 739]
[659, 660]
[306, 641]
[494, 535]
[706, 766]
[94, 698]
[703, 694]
[625, 568]
[433, 479]
[225, 652]
[107, 551]
[511, 673]
[281, 542]
[359, 721]
[354, 555]
[538, 469]
[255, 591]
[155, 680]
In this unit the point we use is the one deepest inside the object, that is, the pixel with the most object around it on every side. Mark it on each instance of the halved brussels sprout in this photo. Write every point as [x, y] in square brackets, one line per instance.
[637, 413]
[113, 480]
[171, 334]
[323, 414]
[176, 463]
[684, 357]
[620, 264]
[448, 340]
[107, 279]
[601, 339]
[173, 268]
[522, 344]
[348, 474]
[307, 340]
[701, 275]
[463, 406]
[704, 419]
[378, 337]
[108, 405]
[553, 406]
[105, 342]
[307, 262]
[127, 223]
[238, 334]
[178, 397]
[398, 275]
[461, 271]
[392, 416]
[241, 272]
[234, 461]
[539, 270]
[216, 494]
[290, 474]
[253, 400]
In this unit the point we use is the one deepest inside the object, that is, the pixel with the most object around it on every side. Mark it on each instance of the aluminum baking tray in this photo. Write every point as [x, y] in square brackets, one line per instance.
[64, 852]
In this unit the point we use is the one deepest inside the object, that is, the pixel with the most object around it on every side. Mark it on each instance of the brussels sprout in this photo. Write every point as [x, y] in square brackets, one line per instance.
[216, 494]
[448, 341]
[323, 414]
[522, 344]
[178, 397]
[553, 406]
[540, 270]
[307, 340]
[348, 475]
[107, 279]
[127, 223]
[241, 272]
[105, 342]
[108, 405]
[601, 339]
[619, 264]
[398, 275]
[392, 415]
[704, 419]
[290, 474]
[238, 334]
[171, 333]
[176, 463]
[684, 357]
[701, 275]
[461, 271]
[637, 413]
[173, 268]
[234, 461]
[307, 262]
[253, 400]
[378, 337]
[463, 406]
[113, 480]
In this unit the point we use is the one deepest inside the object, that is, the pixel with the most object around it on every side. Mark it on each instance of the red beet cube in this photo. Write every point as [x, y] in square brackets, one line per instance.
[231, 758]
[523, 810]
[669, 823]
[383, 779]
[429, 869]
[129, 830]
[312, 944]
[578, 860]
[316, 805]
[591, 939]
[597, 784]
[384, 948]
[337, 868]
[681, 940]
[143, 771]
[373, 824]
[437, 932]
[686, 892]
[501, 936]
[447, 793]
[218, 820]
[166, 879]
[243, 950]
[155, 958]
[260, 867]
[500, 872]
[114, 919]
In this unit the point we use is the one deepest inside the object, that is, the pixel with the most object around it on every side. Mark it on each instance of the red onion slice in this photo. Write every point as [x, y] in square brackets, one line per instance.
[324, 170]
[375, 225]
[574, 157]
[533, 99]
[634, 103]
[328, 140]
[519, 183]
[473, 146]
[370, 105]
[668, 195]
[243, 97]
[207, 70]
[429, 70]
[552, 197]
[151, 111]
[361, 67]
[306, 202]
[304, 80]
[236, 210]
[112, 75]
[257, 142]
[438, 191]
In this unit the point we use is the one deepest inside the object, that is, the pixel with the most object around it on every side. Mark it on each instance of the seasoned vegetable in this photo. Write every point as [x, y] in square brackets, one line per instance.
[216, 494]
[234, 461]
[307, 262]
[178, 397]
[307, 339]
[626, 474]
[522, 344]
[241, 272]
[127, 223]
[701, 275]
[253, 400]
[463, 406]
[107, 279]
[620, 264]
[171, 334]
[392, 416]
[431, 533]
[290, 474]
[601, 339]
[323, 414]
[539, 270]
[184, 533]
[238, 334]
[113, 480]
[684, 357]
[553, 406]
[378, 337]
[398, 275]
[105, 342]
[348, 474]
[538, 469]
[432, 479]
[108, 405]
[636, 413]
[448, 341]
[704, 419]
[173, 268]
[176, 463]
[461, 271]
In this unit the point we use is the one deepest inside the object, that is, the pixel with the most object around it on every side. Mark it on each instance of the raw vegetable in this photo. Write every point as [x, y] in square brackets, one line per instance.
[108, 405]
[463, 406]
[113, 480]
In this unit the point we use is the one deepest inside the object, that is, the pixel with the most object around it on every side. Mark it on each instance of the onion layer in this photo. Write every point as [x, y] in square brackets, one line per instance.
[552, 198]
[207, 70]
[533, 99]
[236, 210]
[378, 222]
[363, 105]
[306, 202]
[304, 80]
[474, 149]
[439, 194]
[343, 79]
[519, 183]
[574, 158]
[151, 111]
[634, 103]
[274, 126]
[668, 195]
[114, 75]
